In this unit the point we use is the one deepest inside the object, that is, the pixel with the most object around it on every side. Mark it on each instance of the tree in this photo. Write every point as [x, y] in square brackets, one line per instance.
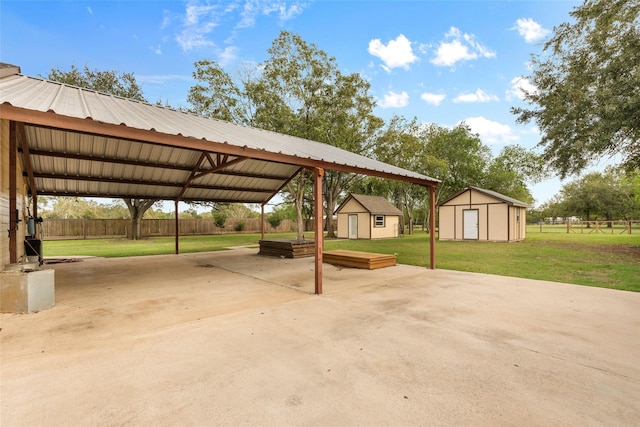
[302, 93]
[463, 156]
[137, 208]
[123, 85]
[71, 208]
[404, 144]
[453, 155]
[298, 91]
[218, 95]
[587, 83]
[553, 209]
[609, 195]
[512, 169]
[631, 180]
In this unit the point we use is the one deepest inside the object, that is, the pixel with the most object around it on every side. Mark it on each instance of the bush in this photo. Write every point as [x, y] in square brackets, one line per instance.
[240, 226]
[220, 218]
[274, 220]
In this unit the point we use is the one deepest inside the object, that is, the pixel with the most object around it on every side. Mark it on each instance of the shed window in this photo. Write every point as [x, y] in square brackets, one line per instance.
[517, 214]
[379, 221]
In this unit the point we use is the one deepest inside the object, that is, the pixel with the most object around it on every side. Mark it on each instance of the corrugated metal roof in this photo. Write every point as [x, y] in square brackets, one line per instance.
[73, 162]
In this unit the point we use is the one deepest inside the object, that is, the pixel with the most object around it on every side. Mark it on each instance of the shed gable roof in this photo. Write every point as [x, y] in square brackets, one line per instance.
[500, 197]
[375, 205]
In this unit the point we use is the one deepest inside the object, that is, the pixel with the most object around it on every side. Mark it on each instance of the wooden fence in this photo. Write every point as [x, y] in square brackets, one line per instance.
[60, 229]
[604, 227]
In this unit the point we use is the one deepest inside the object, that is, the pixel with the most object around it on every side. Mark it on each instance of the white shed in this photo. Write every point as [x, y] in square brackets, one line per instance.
[367, 217]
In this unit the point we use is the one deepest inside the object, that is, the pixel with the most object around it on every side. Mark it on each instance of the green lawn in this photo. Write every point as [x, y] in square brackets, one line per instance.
[605, 260]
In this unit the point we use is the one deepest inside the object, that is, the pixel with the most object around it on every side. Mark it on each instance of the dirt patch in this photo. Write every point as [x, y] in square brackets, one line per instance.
[630, 250]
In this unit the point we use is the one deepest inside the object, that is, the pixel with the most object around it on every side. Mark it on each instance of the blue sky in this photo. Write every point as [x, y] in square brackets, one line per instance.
[440, 61]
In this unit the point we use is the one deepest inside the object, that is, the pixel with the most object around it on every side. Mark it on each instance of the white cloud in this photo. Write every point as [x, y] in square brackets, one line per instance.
[460, 47]
[254, 8]
[199, 21]
[89, 10]
[394, 100]
[491, 132]
[166, 21]
[520, 86]
[530, 30]
[397, 53]
[202, 17]
[227, 56]
[156, 49]
[478, 96]
[162, 79]
[433, 98]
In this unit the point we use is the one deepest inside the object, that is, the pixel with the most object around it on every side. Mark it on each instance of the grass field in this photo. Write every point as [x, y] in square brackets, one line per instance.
[604, 260]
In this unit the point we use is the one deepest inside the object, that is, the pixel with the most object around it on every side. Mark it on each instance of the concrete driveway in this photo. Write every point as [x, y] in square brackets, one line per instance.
[234, 338]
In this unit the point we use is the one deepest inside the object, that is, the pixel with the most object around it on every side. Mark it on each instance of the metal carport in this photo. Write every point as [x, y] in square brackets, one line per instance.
[78, 142]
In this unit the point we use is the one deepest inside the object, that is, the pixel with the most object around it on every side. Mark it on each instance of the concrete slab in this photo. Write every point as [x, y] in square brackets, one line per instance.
[233, 338]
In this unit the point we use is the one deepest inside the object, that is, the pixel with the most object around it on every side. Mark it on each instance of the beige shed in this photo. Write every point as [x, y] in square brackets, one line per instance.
[367, 217]
[478, 214]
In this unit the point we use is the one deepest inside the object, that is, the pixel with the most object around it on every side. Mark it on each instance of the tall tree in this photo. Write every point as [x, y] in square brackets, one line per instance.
[301, 92]
[110, 82]
[608, 196]
[587, 79]
[464, 157]
[298, 91]
[218, 95]
[404, 143]
[511, 171]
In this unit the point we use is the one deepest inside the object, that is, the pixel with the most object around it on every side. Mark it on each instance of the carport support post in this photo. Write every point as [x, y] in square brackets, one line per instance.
[177, 229]
[432, 227]
[317, 198]
[262, 220]
[14, 217]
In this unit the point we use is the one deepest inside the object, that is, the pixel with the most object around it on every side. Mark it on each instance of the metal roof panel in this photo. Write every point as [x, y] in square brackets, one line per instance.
[41, 95]
[107, 164]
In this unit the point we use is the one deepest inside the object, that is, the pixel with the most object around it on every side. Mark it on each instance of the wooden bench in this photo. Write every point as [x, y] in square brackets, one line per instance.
[357, 259]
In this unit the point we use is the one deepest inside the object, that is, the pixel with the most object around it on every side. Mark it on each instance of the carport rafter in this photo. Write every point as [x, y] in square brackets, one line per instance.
[221, 162]
[151, 183]
[122, 161]
[138, 196]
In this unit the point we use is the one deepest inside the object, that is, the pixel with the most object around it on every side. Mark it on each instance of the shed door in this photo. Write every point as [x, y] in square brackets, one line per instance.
[470, 224]
[353, 226]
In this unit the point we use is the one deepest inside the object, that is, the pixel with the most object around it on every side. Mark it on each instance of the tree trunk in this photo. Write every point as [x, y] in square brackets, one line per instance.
[410, 218]
[296, 188]
[331, 199]
[408, 207]
[299, 219]
[426, 222]
[137, 208]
